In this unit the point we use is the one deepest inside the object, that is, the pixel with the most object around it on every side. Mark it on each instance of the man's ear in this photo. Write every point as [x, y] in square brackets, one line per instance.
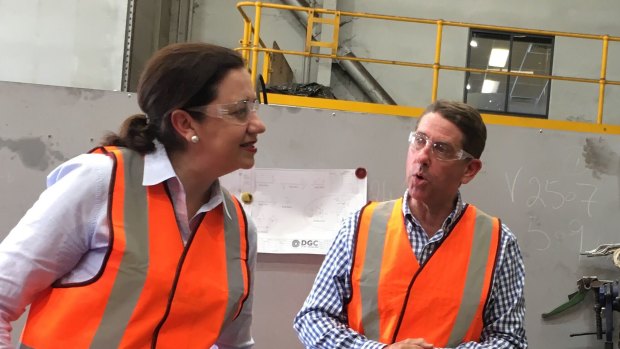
[183, 123]
[471, 170]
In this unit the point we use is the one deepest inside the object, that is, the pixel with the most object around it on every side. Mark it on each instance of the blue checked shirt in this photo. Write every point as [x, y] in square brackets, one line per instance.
[322, 321]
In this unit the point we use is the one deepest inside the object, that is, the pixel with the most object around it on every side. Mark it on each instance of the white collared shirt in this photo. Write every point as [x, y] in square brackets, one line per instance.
[64, 236]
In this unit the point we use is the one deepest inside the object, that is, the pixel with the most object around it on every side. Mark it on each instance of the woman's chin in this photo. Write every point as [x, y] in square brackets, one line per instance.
[246, 165]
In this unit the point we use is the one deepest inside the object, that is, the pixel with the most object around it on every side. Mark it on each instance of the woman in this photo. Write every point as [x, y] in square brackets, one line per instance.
[135, 244]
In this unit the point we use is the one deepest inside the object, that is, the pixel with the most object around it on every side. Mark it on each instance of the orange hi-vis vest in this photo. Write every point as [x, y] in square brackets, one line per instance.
[394, 298]
[151, 291]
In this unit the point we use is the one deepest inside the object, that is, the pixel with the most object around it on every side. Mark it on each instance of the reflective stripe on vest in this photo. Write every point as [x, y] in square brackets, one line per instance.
[179, 299]
[393, 298]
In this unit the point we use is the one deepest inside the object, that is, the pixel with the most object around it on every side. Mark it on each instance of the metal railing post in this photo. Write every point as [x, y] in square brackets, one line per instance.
[436, 66]
[245, 41]
[258, 5]
[602, 82]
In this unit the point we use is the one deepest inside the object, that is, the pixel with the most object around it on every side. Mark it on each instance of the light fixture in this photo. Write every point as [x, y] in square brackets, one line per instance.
[468, 86]
[490, 86]
[498, 57]
[473, 43]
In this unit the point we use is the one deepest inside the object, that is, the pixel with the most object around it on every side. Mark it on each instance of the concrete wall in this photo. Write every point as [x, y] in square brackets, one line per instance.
[63, 42]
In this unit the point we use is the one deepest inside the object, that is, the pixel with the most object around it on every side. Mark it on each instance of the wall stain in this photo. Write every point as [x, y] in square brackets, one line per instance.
[32, 152]
[600, 158]
[85, 94]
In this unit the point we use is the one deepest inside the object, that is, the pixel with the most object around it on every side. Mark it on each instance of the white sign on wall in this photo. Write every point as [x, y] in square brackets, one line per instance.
[297, 211]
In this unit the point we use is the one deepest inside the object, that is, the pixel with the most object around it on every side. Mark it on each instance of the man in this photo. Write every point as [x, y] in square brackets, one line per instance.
[427, 270]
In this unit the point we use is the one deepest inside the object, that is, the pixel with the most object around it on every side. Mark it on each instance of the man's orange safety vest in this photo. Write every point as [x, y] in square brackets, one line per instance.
[151, 291]
[394, 298]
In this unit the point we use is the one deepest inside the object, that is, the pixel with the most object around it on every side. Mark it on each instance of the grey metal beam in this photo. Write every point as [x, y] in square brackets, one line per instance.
[364, 80]
[151, 25]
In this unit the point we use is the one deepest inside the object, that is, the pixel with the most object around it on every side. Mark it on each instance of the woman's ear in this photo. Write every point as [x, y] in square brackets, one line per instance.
[183, 123]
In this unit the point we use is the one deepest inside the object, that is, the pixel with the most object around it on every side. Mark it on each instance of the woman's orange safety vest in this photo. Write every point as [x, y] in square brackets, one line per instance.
[152, 291]
[394, 298]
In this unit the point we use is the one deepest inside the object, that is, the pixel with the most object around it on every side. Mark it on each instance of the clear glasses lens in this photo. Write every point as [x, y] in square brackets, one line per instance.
[441, 150]
[238, 112]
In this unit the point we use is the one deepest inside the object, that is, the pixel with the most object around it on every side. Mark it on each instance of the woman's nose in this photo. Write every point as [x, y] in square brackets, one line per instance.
[256, 123]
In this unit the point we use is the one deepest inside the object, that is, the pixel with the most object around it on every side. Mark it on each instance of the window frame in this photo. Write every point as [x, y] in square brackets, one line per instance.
[510, 37]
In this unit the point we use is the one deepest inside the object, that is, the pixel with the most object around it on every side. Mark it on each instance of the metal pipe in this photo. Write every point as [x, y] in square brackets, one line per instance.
[245, 42]
[302, 16]
[601, 90]
[445, 23]
[436, 63]
[362, 78]
[255, 42]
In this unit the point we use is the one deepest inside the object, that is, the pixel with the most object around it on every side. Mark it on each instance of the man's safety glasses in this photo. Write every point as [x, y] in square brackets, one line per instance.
[441, 150]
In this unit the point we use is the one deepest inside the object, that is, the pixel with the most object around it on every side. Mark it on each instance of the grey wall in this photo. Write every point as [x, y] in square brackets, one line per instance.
[65, 42]
[535, 180]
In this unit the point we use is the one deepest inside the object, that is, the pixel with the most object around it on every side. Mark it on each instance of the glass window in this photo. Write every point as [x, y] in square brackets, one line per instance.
[509, 52]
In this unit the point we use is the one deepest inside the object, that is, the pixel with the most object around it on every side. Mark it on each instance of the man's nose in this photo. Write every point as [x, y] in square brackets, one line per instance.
[424, 154]
[427, 149]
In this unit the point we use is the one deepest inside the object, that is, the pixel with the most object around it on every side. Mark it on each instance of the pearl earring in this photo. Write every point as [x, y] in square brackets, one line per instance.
[194, 139]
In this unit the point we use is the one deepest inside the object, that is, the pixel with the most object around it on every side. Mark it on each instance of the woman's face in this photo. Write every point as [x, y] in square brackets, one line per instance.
[227, 144]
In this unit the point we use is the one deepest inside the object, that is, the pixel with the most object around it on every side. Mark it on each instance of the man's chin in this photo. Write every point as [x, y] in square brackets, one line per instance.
[417, 195]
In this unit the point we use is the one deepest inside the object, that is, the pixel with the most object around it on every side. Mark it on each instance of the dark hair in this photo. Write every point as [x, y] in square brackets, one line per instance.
[178, 76]
[468, 121]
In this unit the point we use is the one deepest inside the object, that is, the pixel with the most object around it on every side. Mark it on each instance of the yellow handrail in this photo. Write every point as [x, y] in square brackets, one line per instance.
[601, 89]
[436, 65]
[258, 46]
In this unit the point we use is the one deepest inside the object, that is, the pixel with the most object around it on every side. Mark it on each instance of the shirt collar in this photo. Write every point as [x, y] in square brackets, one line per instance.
[157, 166]
[158, 169]
[216, 198]
[448, 222]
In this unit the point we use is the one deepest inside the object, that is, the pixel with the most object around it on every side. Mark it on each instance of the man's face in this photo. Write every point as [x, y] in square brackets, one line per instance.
[431, 181]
